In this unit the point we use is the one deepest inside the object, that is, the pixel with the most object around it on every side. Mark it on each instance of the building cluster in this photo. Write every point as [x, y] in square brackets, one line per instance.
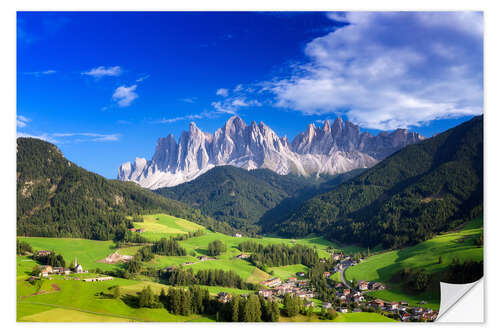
[353, 300]
[370, 286]
[404, 311]
[224, 297]
[46, 270]
[292, 286]
[139, 230]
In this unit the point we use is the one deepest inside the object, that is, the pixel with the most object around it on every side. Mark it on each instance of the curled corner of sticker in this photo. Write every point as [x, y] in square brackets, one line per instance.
[453, 296]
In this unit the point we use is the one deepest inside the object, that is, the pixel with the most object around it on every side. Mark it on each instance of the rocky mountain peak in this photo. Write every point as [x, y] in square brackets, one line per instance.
[234, 123]
[326, 126]
[331, 149]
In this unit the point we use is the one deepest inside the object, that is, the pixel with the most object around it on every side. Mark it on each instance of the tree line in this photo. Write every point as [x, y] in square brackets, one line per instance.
[52, 259]
[279, 254]
[249, 309]
[23, 247]
[196, 300]
[208, 277]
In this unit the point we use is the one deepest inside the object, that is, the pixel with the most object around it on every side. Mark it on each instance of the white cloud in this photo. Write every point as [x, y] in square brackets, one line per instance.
[187, 117]
[224, 107]
[22, 121]
[142, 78]
[124, 96]
[93, 137]
[235, 99]
[390, 69]
[40, 73]
[222, 92]
[75, 137]
[102, 71]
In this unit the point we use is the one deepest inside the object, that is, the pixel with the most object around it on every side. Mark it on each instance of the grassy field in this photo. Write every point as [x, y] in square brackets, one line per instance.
[87, 251]
[335, 277]
[53, 304]
[157, 287]
[162, 225]
[362, 317]
[88, 306]
[382, 267]
[65, 315]
[285, 272]
[341, 318]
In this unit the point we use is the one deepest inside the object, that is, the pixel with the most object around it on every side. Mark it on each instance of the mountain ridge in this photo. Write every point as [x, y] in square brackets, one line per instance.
[246, 199]
[423, 189]
[328, 150]
[57, 198]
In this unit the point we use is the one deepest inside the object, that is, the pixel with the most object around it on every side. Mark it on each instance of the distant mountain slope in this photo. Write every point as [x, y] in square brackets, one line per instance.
[242, 198]
[57, 198]
[423, 189]
[329, 150]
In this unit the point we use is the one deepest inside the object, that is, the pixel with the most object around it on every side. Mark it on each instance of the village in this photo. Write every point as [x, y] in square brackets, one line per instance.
[348, 298]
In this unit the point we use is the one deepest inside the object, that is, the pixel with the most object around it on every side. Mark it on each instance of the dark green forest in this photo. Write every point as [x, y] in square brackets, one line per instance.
[56, 198]
[425, 188]
[279, 254]
[248, 199]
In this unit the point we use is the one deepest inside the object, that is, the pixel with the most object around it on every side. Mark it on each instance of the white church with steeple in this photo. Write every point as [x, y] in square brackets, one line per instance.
[78, 267]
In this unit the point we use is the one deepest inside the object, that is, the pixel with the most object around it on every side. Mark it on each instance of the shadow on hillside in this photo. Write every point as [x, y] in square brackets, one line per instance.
[132, 301]
[203, 252]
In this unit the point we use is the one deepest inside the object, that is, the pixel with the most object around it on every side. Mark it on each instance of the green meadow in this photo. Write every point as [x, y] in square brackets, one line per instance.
[285, 272]
[335, 277]
[163, 225]
[362, 317]
[87, 251]
[60, 305]
[382, 267]
[89, 305]
[341, 318]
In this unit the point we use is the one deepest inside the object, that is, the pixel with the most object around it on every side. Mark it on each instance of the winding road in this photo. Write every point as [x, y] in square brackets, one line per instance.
[342, 278]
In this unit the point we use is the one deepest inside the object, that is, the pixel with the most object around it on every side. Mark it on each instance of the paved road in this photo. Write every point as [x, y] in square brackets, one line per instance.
[342, 278]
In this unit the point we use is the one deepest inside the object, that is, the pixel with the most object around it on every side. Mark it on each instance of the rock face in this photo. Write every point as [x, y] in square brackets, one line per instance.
[334, 148]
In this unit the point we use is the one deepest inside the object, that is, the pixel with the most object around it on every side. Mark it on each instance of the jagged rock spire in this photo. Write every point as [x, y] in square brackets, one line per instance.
[331, 149]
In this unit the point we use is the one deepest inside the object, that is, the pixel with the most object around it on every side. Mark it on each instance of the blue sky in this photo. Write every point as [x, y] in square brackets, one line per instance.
[105, 86]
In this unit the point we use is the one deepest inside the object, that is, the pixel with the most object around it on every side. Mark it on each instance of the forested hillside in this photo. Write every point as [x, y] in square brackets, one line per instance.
[247, 199]
[425, 188]
[56, 198]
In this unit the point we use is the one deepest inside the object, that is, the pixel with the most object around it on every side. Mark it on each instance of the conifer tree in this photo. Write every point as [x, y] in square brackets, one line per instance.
[235, 303]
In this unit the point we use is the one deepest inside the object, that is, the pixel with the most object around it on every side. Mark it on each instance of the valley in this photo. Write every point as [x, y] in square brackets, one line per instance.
[89, 307]
[239, 245]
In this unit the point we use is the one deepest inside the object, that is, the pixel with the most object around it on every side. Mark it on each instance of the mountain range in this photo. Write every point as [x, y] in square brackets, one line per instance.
[57, 198]
[423, 189]
[248, 199]
[430, 187]
[332, 149]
